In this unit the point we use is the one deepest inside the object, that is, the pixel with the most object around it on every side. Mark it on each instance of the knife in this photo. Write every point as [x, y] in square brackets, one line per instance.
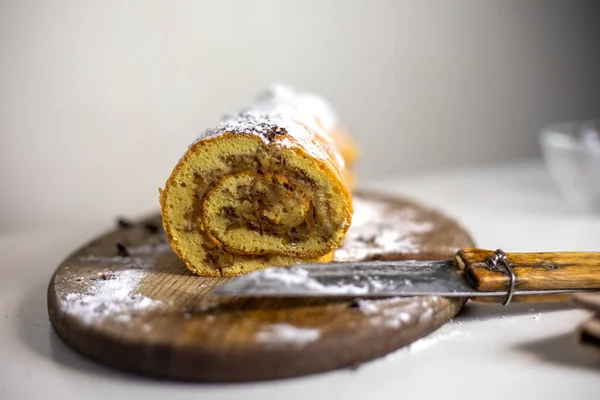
[483, 275]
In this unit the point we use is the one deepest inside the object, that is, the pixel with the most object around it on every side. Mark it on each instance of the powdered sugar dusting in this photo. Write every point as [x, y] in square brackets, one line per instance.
[286, 333]
[280, 111]
[285, 142]
[149, 249]
[113, 298]
[398, 311]
[113, 292]
[435, 338]
[298, 278]
[380, 229]
[139, 262]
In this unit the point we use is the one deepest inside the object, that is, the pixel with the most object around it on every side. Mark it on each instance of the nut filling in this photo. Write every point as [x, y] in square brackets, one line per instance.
[255, 196]
[269, 205]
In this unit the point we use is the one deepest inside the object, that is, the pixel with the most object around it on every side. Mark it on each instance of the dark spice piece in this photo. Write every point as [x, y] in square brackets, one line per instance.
[354, 304]
[151, 227]
[122, 250]
[123, 223]
[103, 276]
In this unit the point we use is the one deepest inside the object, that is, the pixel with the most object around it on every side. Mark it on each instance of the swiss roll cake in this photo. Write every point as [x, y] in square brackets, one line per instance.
[267, 186]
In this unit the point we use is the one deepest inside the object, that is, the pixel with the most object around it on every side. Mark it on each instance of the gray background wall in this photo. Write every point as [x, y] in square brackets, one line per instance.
[99, 99]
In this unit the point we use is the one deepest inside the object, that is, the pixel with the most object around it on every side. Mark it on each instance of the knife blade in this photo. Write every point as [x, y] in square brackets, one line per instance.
[470, 275]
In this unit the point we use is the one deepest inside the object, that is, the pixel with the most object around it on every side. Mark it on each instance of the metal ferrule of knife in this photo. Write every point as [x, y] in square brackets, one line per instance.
[482, 275]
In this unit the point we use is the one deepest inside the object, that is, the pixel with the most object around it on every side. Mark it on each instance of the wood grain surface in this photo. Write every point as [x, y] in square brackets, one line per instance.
[127, 301]
[533, 271]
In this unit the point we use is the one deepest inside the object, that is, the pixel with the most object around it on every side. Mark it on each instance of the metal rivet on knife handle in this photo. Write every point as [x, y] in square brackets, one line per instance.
[500, 257]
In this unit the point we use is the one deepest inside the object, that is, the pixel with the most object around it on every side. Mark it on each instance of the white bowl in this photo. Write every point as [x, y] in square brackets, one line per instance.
[572, 154]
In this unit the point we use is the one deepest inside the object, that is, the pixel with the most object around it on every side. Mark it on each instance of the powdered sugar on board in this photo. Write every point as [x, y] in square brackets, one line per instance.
[112, 293]
[287, 334]
[398, 311]
[379, 228]
[114, 297]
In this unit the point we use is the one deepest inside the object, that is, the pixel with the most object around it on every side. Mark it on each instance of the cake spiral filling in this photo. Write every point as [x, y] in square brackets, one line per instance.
[250, 213]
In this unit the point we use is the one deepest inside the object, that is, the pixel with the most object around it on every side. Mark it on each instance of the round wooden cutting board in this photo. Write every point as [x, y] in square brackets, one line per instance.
[126, 300]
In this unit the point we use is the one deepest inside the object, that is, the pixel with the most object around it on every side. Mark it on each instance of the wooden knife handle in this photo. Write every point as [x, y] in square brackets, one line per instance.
[532, 271]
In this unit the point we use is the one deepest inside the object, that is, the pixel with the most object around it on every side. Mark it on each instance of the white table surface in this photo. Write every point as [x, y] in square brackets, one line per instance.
[487, 352]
